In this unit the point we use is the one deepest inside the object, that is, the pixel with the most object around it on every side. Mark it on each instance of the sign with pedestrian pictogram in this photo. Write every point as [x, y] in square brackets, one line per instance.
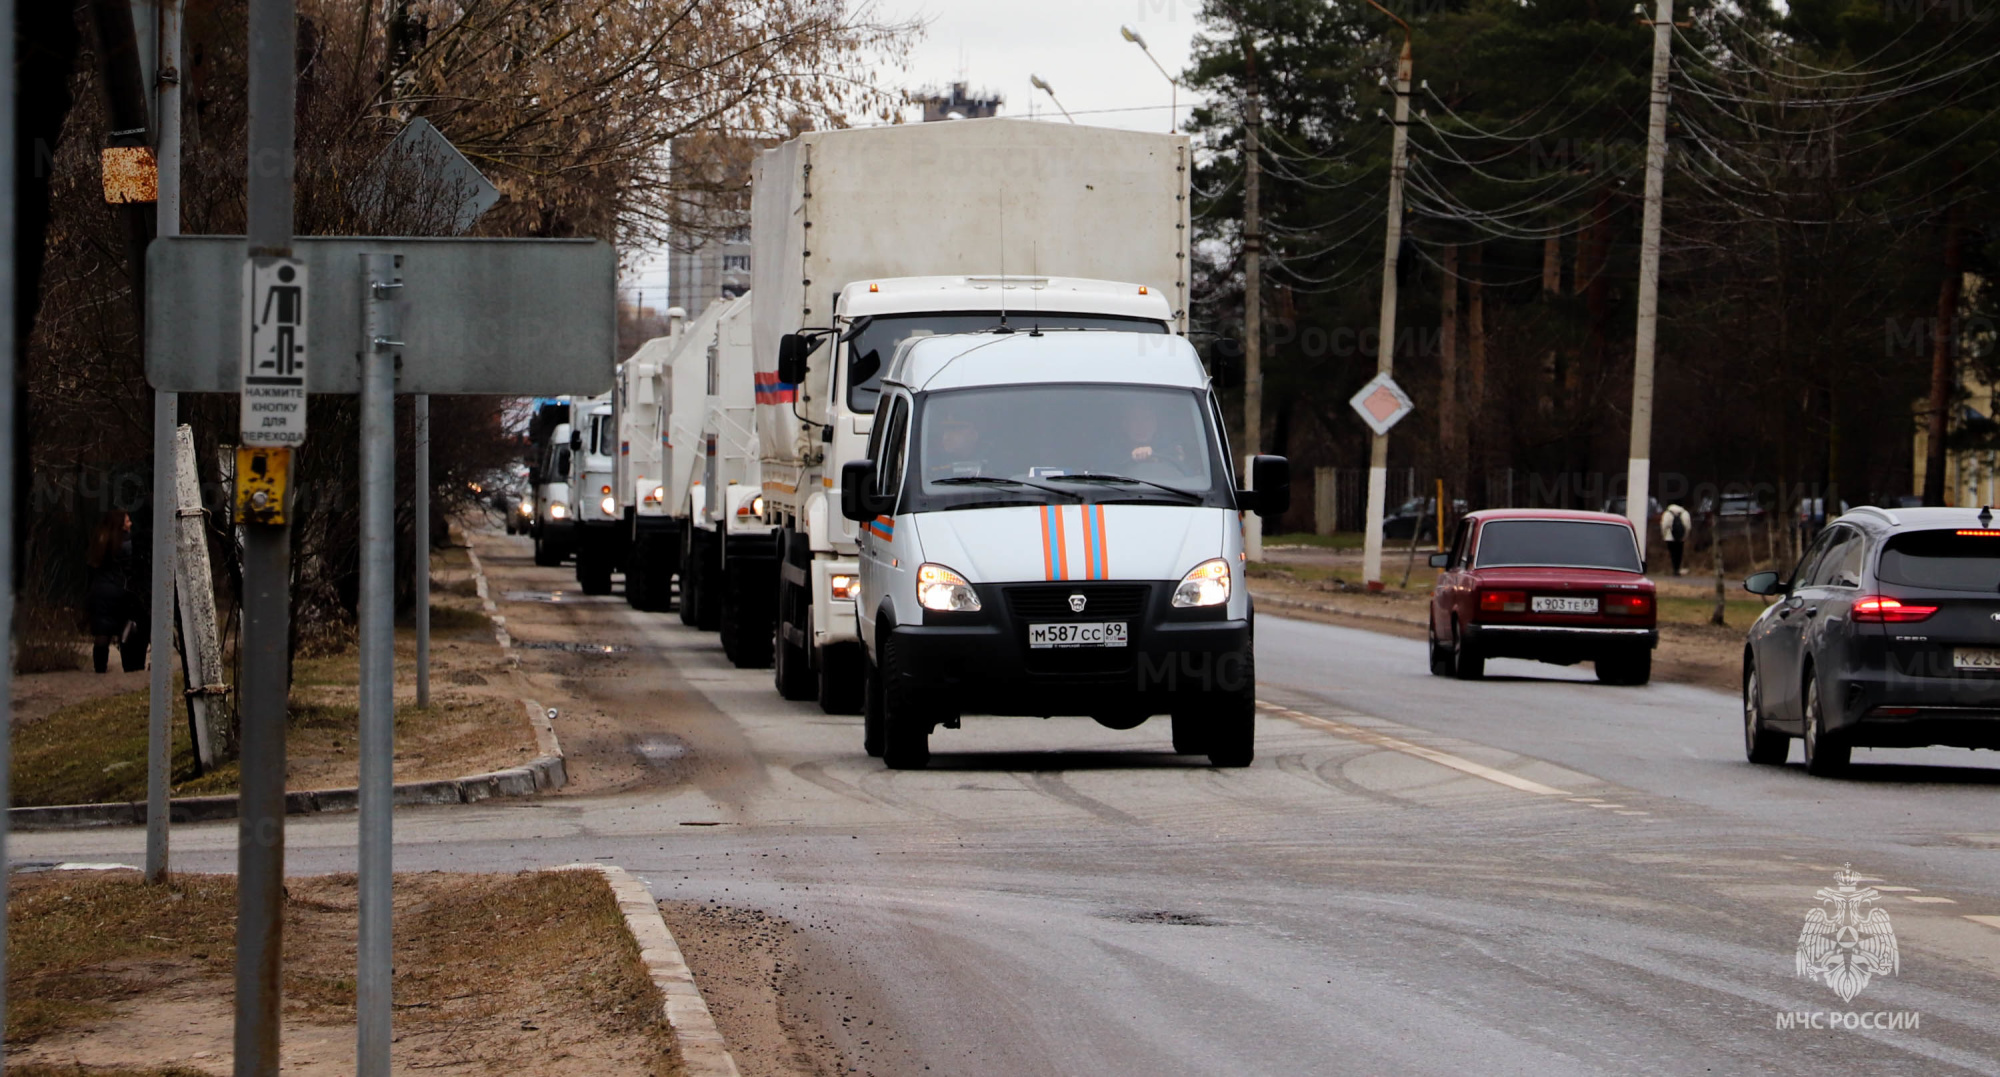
[1381, 404]
[274, 352]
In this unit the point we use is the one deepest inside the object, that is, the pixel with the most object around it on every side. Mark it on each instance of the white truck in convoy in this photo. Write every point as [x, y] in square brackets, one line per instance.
[729, 575]
[1050, 526]
[640, 401]
[548, 480]
[865, 238]
[594, 512]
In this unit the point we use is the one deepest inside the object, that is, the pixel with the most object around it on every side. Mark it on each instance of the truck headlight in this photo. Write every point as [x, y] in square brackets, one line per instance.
[757, 506]
[939, 588]
[658, 495]
[845, 587]
[527, 508]
[609, 505]
[558, 511]
[1206, 584]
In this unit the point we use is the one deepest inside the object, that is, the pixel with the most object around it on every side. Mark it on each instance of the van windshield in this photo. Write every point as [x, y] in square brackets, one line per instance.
[1042, 444]
[1557, 544]
[882, 333]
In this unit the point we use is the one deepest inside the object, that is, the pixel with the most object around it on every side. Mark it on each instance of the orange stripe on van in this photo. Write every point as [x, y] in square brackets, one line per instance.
[1062, 547]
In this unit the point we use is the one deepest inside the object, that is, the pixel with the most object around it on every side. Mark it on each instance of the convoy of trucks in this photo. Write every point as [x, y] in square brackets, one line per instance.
[953, 454]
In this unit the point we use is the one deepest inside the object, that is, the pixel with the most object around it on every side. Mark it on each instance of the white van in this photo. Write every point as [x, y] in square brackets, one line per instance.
[1050, 525]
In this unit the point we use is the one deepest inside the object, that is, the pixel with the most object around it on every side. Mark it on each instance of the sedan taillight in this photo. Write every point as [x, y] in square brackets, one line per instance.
[1628, 605]
[1881, 609]
[1503, 601]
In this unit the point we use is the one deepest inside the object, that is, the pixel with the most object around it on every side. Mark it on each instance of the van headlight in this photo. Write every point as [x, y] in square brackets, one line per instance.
[1206, 584]
[558, 511]
[941, 589]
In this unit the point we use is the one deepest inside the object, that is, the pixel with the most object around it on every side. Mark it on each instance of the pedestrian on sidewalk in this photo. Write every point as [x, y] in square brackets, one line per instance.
[116, 612]
[1675, 523]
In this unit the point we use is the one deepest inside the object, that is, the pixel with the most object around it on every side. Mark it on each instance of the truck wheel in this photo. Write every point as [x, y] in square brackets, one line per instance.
[871, 707]
[746, 631]
[690, 569]
[840, 678]
[635, 581]
[1190, 733]
[708, 596]
[791, 665]
[906, 725]
[593, 568]
[546, 554]
[1232, 718]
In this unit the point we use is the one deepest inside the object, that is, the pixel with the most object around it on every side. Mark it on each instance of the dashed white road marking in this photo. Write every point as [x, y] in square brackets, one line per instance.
[1925, 900]
[1989, 921]
[1396, 744]
[1896, 889]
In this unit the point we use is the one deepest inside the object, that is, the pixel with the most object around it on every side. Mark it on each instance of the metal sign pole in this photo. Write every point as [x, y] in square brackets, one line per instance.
[267, 555]
[166, 501]
[378, 659]
[7, 98]
[421, 495]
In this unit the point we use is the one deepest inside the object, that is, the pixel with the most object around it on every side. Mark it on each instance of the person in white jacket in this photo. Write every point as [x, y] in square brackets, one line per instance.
[1675, 523]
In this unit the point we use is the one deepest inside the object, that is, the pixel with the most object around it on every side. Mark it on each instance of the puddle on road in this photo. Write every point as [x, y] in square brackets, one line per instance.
[660, 751]
[565, 598]
[1172, 919]
[571, 646]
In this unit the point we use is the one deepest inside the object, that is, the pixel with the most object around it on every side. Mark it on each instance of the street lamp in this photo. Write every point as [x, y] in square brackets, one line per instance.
[1044, 87]
[1174, 113]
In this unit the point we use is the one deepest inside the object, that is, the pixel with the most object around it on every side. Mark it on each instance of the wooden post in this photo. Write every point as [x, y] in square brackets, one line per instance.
[1326, 500]
[201, 644]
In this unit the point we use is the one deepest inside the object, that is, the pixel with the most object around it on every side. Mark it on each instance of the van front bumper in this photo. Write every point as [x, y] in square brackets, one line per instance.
[983, 663]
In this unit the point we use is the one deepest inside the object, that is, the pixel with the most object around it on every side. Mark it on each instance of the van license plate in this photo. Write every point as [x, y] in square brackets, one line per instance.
[1975, 658]
[1099, 634]
[1563, 604]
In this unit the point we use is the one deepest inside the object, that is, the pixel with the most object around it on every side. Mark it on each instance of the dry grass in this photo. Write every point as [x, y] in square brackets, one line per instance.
[489, 969]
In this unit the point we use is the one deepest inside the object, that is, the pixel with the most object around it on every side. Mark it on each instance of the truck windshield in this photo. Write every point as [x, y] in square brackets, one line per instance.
[1557, 544]
[884, 332]
[1038, 444]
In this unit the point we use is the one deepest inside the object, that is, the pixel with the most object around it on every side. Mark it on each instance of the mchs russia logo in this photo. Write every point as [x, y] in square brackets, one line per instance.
[1846, 943]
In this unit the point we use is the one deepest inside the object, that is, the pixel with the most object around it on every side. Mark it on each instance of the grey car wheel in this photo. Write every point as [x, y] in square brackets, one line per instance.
[1826, 753]
[1761, 746]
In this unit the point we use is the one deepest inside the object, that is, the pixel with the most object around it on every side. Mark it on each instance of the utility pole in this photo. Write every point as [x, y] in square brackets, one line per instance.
[8, 126]
[421, 494]
[1638, 476]
[1253, 291]
[380, 284]
[267, 557]
[1385, 351]
[166, 500]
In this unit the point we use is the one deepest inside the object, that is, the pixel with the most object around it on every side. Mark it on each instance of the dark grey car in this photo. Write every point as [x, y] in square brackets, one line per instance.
[1887, 635]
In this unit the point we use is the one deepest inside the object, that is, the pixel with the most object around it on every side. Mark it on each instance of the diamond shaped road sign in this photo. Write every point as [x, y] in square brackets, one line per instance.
[1381, 403]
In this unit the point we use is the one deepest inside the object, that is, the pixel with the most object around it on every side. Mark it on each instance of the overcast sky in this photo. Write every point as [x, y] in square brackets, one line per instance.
[1074, 45]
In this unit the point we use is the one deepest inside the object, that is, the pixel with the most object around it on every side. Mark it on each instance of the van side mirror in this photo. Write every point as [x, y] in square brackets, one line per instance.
[1270, 492]
[858, 501]
[792, 351]
[1440, 560]
[576, 441]
[1763, 583]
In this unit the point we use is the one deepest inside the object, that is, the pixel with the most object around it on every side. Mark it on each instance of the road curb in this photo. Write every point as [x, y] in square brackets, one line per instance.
[1266, 598]
[703, 1052]
[547, 772]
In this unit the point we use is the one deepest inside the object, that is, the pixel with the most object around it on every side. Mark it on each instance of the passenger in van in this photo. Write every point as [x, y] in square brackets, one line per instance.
[1141, 427]
[954, 448]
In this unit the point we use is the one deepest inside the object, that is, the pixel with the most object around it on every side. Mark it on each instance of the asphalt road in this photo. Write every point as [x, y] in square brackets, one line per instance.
[1531, 874]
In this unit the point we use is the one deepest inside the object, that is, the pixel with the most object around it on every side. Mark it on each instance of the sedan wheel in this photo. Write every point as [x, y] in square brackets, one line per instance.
[1826, 754]
[1762, 746]
[1466, 663]
[1440, 655]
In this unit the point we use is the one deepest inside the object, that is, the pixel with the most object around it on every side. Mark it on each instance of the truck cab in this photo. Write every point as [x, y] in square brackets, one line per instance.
[1047, 523]
[652, 536]
[554, 528]
[594, 507]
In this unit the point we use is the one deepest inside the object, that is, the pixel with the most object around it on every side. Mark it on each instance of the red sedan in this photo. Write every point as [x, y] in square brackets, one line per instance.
[1547, 584]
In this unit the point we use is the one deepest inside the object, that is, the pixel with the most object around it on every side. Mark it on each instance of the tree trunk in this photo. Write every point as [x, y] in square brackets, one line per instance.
[1944, 340]
[1475, 352]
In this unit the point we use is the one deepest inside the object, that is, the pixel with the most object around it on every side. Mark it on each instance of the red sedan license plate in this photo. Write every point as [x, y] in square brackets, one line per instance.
[1563, 604]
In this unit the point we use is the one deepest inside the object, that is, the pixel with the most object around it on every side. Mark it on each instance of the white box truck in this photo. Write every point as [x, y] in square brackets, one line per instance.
[593, 511]
[653, 538]
[865, 238]
[732, 553]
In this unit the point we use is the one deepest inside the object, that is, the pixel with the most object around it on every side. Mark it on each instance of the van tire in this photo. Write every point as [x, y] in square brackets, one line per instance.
[1190, 733]
[906, 723]
[1232, 718]
[871, 707]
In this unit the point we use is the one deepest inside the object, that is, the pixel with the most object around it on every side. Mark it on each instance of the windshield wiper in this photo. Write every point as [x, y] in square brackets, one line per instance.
[1092, 476]
[997, 480]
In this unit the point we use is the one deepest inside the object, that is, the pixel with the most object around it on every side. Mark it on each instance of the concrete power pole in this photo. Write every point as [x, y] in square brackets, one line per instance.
[1638, 476]
[1253, 292]
[1385, 351]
